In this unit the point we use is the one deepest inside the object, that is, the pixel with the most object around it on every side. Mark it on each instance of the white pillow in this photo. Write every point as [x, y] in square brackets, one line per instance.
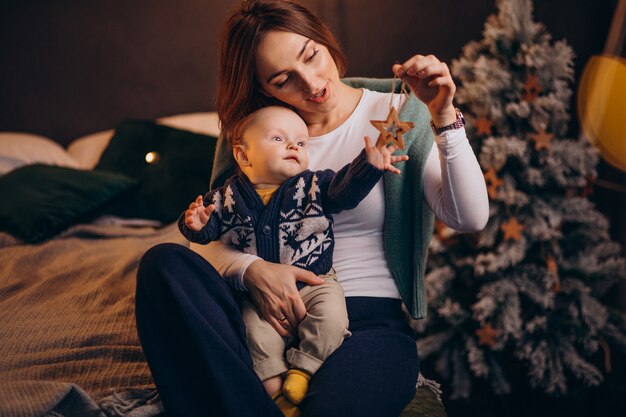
[18, 149]
[205, 123]
[87, 149]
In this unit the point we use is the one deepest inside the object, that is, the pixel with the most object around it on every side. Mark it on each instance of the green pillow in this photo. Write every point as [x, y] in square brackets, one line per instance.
[39, 201]
[179, 173]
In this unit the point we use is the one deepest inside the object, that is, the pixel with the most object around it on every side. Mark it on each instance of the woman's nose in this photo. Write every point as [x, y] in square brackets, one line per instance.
[308, 83]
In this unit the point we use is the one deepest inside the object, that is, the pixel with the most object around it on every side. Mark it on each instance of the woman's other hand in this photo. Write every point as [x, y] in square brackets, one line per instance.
[273, 290]
[431, 82]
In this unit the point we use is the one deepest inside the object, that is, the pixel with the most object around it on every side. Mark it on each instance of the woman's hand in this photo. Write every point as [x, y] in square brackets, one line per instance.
[273, 290]
[431, 82]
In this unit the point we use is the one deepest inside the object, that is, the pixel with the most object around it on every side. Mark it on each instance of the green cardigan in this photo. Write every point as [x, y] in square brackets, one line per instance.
[408, 219]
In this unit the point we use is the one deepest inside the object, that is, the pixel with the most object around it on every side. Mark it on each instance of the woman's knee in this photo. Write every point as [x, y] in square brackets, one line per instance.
[156, 260]
[172, 270]
[160, 254]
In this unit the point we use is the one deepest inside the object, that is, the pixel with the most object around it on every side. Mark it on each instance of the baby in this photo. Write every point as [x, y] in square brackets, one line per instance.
[282, 212]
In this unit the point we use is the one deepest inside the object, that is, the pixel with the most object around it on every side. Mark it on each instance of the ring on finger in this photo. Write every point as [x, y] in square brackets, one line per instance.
[283, 318]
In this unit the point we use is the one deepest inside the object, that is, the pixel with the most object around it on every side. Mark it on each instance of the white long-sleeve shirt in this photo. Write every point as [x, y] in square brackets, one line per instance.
[454, 189]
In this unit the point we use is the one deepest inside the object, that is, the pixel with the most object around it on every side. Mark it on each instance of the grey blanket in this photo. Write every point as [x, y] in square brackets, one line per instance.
[68, 341]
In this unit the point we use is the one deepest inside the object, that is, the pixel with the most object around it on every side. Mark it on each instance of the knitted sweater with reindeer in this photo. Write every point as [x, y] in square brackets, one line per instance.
[295, 227]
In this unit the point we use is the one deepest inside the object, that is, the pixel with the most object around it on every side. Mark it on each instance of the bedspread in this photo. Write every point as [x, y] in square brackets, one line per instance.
[67, 326]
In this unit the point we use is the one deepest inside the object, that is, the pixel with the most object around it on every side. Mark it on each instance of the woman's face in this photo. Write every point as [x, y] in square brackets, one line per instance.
[297, 71]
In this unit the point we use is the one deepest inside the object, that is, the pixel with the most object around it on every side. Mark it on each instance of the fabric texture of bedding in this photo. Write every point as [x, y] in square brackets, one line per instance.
[67, 326]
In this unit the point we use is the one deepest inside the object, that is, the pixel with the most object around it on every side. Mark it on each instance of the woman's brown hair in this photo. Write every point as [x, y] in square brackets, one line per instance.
[238, 92]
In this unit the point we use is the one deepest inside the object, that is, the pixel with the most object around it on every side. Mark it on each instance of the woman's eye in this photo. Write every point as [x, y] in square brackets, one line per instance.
[312, 56]
[282, 83]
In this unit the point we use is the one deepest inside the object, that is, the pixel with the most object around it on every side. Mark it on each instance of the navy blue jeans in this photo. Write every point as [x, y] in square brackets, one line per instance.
[192, 334]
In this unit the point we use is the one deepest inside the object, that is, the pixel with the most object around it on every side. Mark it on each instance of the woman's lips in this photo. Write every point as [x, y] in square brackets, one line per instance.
[320, 97]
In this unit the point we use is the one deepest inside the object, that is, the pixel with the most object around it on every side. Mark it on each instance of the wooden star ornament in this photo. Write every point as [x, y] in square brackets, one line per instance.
[487, 335]
[483, 126]
[542, 139]
[493, 183]
[512, 229]
[532, 89]
[392, 129]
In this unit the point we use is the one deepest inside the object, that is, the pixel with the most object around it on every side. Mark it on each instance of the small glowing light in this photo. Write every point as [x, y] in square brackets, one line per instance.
[153, 157]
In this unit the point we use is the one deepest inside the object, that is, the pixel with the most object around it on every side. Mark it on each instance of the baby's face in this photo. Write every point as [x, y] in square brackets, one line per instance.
[275, 143]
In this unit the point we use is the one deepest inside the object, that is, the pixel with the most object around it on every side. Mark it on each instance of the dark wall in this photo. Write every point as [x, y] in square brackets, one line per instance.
[71, 67]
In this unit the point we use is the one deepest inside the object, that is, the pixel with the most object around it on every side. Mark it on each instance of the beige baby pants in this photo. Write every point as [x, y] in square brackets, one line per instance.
[321, 332]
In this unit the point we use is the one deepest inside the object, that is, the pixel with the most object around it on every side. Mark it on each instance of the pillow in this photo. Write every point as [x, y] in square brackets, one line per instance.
[88, 149]
[206, 123]
[179, 171]
[39, 201]
[19, 149]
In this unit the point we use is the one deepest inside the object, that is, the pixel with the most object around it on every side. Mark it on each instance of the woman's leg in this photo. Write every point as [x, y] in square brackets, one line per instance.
[193, 337]
[374, 372]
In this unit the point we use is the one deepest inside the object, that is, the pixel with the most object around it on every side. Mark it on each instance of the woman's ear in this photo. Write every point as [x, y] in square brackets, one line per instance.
[239, 153]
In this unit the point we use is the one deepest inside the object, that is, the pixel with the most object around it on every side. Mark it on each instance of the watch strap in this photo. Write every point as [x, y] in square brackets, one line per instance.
[458, 123]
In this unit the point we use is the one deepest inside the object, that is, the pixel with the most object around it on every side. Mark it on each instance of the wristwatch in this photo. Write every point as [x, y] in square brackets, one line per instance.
[458, 123]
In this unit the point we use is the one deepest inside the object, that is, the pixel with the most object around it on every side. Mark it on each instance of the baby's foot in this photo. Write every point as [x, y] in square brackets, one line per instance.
[296, 385]
[285, 406]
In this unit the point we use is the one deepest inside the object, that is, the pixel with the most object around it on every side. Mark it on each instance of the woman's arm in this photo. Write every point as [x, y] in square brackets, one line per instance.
[454, 186]
[229, 262]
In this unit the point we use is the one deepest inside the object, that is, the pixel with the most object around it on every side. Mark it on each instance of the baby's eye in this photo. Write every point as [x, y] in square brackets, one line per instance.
[277, 139]
[302, 144]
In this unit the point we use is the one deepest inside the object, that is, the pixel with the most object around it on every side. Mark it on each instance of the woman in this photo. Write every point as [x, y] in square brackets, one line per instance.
[188, 317]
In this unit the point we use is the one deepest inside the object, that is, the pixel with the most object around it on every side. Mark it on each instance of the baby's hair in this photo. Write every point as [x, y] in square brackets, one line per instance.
[236, 138]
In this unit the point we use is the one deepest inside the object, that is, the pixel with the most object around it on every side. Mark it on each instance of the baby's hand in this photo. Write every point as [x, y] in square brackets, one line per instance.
[380, 155]
[197, 216]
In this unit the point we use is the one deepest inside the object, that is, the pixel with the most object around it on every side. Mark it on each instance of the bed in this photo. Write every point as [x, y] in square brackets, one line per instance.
[68, 342]
[74, 223]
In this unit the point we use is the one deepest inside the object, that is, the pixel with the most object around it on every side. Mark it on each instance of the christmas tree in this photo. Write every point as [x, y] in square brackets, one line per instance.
[527, 292]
